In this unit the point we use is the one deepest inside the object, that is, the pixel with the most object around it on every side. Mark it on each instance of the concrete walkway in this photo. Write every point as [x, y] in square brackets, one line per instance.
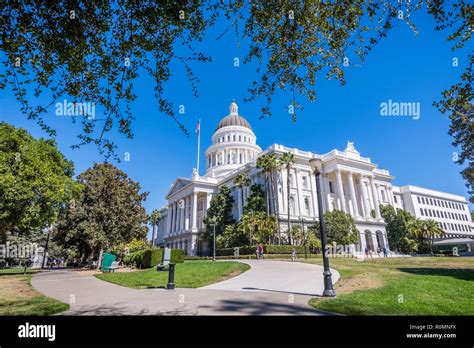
[268, 288]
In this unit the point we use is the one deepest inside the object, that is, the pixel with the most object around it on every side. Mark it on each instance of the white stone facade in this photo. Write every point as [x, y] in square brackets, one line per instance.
[350, 182]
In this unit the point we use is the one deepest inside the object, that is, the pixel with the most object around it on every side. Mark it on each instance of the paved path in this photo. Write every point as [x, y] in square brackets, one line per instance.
[268, 288]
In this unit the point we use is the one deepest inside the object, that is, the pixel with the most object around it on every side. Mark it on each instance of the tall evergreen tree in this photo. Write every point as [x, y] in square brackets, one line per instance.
[109, 212]
[218, 213]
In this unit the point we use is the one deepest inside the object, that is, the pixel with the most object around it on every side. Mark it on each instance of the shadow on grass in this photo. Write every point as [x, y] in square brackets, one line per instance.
[458, 273]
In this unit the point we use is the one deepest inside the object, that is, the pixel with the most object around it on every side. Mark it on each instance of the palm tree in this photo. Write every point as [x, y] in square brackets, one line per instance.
[153, 219]
[242, 181]
[262, 162]
[248, 223]
[422, 229]
[287, 160]
[431, 230]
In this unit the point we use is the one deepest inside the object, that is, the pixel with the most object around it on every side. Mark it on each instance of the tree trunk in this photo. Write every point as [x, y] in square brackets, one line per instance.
[288, 201]
[153, 236]
[273, 188]
[100, 258]
[267, 197]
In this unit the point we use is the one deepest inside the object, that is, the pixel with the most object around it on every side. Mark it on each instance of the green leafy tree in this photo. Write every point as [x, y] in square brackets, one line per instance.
[35, 182]
[95, 51]
[287, 160]
[219, 213]
[153, 220]
[340, 228]
[109, 212]
[232, 237]
[398, 234]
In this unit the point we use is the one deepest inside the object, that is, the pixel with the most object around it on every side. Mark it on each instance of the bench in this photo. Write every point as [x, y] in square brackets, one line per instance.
[112, 267]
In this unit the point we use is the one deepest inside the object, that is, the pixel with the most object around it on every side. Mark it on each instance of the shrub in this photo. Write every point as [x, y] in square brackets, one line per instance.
[151, 258]
[144, 258]
[177, 256]
[246, 250]
[282, 249]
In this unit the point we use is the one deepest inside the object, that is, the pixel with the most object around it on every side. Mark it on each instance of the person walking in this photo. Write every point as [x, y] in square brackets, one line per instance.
[293, 255]
[257, 252]
[260, 251]
[385, 253]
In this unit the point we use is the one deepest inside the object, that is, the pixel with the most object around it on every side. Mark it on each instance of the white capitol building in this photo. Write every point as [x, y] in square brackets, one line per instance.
[350, 182]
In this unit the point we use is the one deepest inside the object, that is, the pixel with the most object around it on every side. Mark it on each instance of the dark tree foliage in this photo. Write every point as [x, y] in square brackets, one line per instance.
[95, 50]
[219, 213]
[256, 200]
[108, 213]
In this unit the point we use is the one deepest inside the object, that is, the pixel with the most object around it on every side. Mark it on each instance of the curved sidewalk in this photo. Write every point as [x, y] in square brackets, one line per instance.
[268, 288]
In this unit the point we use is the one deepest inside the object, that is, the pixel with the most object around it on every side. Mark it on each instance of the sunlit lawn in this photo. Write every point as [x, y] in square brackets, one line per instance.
[402, 286]
[17, 297]
[190, 274]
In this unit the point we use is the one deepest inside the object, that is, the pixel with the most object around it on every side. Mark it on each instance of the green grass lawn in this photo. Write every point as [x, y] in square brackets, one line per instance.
[190, 274]
[402, 286]
[17, 297]
[18, 270]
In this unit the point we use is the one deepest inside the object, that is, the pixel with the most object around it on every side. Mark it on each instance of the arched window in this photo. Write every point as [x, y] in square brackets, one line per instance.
[307, 206]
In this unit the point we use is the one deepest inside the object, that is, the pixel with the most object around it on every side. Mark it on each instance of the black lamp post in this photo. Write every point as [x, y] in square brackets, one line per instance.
[316, 165]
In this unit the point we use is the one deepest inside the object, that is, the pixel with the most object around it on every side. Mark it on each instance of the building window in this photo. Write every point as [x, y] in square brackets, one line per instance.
[292, 205]
[305, 182]
[331, 188]
[422, 212]
[291, 180]
[233, 138]
[240, 138]
[306, 205]
[395, 199]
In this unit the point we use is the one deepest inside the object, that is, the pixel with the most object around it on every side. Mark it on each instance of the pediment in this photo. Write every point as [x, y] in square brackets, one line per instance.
[178, 185]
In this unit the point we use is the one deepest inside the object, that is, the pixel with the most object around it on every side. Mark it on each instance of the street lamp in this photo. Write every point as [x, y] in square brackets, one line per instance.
[317, 165]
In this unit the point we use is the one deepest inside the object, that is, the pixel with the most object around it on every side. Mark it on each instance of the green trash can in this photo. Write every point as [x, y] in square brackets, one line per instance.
[107, 260]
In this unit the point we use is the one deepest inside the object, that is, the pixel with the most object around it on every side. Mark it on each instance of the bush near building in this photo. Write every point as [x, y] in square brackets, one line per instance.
[151, 258]
[267, 249]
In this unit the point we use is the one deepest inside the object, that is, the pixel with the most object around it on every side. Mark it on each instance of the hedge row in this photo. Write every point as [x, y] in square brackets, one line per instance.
[267, 249]
[151, 257]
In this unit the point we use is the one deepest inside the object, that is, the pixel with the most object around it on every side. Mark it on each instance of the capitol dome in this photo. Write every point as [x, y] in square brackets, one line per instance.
[234, 144]
[233, 119]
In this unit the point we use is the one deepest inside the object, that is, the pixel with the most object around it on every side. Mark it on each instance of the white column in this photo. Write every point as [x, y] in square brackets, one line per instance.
[300, 194]
[178, 217]
[182, 215]
[377, 189]
[194, 213]
[355, 209]
[186, 213]
[365, 203]
[390, 196]
[375, 198]
[340, 191]
[325, 183]
[168, 221]
[312, 185]
[174, 217]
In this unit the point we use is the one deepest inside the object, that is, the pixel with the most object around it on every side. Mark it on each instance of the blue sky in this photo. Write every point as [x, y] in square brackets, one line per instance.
[404, 67]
